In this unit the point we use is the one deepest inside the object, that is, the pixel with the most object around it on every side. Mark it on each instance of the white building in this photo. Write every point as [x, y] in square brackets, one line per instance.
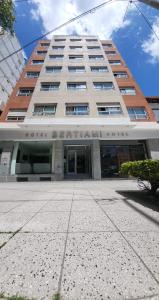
[11, 68]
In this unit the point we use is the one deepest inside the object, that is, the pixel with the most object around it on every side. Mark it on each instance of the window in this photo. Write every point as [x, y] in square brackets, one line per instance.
[72, 57]
[45, 44]
[31, 74]
[25, 91]
[58, 47]
[91, 40]
[93, 47]
[103, 85]
[110, 52]
[99, 69]
[41, 52]
[50, 86]
[77, 109]
[115, 62]
[76, 47]
[16, 115]
[53, 69]
[60, 40]
[156, 113]
[96, 57]
[109, 109]
[76, 86]
[76, 69]
[56, 57]
[107, 45]
[120, 74]
[37, 62]
[75, 40]
[127, 91]
[15, 118]
[44, 110]
[137, 113]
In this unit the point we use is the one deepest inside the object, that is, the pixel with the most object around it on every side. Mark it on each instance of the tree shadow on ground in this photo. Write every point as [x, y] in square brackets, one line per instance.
[143, 198]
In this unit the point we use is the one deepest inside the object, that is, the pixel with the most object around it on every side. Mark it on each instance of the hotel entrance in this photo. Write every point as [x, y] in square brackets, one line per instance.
[77, 161]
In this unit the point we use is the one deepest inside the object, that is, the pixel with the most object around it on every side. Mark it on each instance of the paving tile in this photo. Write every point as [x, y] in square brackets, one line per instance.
[85, 205]
[11, 222]
[38, 196]
[146, 244]
[4, 237]
[30, 265]
[102, 266]
[90, 221]
[64, 197]
[82, 198]
[6, 206]
[48, 222]
[57, 206]
[29, 206]
[130, 220]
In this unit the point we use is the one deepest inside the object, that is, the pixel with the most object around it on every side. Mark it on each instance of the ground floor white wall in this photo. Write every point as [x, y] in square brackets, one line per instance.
[9, 166]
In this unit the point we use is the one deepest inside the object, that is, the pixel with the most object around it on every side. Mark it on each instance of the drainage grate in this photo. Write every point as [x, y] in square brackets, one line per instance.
[45, 178]
[21, 179]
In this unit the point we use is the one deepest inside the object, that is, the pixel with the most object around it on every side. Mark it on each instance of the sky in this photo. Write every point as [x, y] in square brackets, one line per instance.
[137, 43]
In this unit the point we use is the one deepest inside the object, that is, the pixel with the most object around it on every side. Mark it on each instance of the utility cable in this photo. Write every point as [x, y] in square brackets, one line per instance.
[146, 20]
[92, 10]
[126, 11]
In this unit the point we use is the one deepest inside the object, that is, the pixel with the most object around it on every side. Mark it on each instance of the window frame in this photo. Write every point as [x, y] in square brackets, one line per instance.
[55, 88]
[82, 68]
[106, 83]
[75, 85]
[44, 111]
[122, 89]
[135, 115]
[53, 72]
[109, 109]
[77, 112]
[96, 57]
[26, 74]
[25, 94]
[40, 62]
[99, 68]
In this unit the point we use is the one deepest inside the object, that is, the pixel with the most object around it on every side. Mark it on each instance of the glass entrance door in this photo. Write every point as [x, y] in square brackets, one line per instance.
[71, 162]
[76, 161]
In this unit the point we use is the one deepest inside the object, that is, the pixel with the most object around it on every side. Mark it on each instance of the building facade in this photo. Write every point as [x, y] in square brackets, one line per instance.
[76, 112]
[11, 68]
[154, 103]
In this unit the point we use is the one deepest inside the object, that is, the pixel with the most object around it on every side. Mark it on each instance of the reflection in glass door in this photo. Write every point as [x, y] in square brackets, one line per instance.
[77, 160]
[71, 162]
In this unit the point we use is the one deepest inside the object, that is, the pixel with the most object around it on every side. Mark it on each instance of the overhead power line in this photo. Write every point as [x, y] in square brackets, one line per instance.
[92, 10]
[126, 11]
[146, 20]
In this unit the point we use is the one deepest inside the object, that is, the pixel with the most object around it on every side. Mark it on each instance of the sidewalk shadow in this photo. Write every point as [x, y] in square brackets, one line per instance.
[144, 200]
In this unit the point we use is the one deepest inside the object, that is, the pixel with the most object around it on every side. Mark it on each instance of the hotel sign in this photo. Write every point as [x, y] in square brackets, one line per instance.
[42, 135]
[75, 135]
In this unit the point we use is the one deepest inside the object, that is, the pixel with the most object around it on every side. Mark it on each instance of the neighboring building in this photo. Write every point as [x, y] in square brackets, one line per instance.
[11, 68]
[76, 112]
[154, 103]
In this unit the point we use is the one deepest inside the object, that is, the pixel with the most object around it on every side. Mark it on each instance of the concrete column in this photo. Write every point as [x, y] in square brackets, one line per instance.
[96, 162]
[14, 159]
[59, 160]
[6, 159]
[153, 148]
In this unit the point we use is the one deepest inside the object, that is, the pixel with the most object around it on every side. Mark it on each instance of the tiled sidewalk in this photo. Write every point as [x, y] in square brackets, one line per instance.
[79, 238]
